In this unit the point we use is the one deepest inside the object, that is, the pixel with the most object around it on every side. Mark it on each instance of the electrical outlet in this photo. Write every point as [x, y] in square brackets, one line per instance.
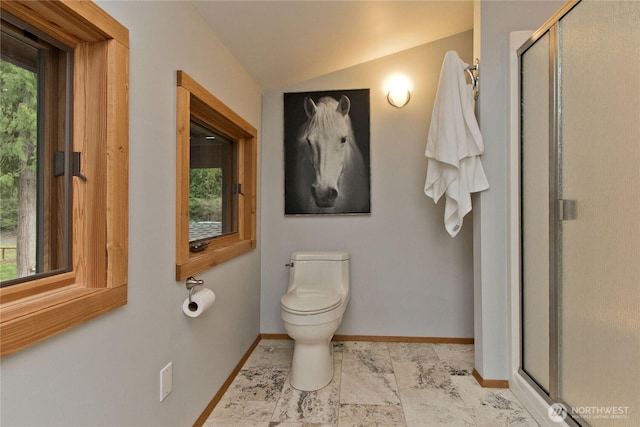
[166, 381]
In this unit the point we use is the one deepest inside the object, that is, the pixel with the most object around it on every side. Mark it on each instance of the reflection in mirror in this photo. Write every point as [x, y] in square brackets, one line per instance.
[213, 192]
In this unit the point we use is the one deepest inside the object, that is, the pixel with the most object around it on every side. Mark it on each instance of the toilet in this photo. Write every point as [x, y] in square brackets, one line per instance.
[312, 310]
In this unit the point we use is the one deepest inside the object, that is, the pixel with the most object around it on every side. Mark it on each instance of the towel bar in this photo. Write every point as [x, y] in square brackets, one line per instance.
[474, 77]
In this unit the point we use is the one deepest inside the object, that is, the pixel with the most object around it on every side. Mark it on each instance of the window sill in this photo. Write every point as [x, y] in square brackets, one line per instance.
[32, 319]
[212, 256]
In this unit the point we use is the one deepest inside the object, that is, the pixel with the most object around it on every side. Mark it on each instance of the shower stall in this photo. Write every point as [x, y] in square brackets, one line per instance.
[579, 222]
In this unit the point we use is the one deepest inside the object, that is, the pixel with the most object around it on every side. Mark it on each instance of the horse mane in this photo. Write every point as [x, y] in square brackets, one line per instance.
[326, 121]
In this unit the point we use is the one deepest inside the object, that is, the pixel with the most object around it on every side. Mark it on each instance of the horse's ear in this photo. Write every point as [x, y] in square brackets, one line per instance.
[309, 106]
[344, 105]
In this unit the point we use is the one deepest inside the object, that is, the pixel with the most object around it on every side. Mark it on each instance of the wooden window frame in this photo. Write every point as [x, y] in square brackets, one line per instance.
[192, 99]
[40, 308]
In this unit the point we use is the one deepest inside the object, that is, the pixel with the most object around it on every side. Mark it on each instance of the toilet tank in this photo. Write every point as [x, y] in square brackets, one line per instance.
[315, 270]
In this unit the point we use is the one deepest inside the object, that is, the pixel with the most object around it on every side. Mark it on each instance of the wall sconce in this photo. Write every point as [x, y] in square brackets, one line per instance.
[398, 90]
[398, 97]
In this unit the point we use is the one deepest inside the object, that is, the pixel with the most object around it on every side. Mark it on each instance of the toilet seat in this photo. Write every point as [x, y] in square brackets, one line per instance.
[306, 302]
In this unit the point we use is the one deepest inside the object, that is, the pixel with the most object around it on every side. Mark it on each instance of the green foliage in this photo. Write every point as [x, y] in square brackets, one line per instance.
[18, 117]
[18, 135]
[7, 271]
[9, 202]
[205, 195]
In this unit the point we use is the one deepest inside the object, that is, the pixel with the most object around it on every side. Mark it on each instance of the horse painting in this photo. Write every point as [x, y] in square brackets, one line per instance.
[329, 175]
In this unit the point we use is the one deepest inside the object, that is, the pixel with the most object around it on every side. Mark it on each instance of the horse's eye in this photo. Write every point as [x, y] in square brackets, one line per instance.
[343, 139]
[308, 141]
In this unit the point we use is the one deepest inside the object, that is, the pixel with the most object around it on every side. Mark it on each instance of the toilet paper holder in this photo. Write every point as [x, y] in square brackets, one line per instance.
[191, 284]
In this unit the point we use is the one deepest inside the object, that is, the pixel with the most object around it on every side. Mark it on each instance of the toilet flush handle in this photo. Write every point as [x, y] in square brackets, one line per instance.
[289, 264]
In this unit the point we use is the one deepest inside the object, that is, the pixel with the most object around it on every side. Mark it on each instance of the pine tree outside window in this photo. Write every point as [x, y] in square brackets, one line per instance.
[35, 107]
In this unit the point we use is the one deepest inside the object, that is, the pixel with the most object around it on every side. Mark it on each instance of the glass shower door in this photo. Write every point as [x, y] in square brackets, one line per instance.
[534, 153]
[598, 228]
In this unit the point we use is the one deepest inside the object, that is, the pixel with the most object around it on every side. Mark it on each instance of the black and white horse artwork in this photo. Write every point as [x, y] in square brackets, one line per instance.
[329, 174]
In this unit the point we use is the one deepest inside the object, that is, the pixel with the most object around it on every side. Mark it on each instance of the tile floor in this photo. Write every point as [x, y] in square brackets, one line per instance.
[374, 384]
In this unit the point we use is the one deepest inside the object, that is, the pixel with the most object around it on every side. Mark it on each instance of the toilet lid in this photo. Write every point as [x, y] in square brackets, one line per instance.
[309, 302]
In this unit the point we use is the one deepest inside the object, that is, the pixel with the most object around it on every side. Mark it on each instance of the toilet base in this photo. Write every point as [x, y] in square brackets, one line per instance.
[312, 365]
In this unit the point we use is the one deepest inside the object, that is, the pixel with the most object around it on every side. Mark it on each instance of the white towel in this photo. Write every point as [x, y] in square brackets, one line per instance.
[454, 145]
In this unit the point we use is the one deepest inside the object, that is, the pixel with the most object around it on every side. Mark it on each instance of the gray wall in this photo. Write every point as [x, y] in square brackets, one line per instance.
[106, 371]
[497, 19]
[408, 276]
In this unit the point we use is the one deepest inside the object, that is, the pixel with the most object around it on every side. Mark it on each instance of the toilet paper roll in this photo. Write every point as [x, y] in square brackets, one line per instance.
[201, 300]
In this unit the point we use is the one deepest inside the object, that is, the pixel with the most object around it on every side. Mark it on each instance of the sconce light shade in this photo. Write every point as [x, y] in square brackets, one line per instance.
[398, 88]
[398, 96]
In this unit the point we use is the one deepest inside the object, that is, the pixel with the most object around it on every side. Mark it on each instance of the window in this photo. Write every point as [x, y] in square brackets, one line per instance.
[80, 226]
[213, 185]
[35, 138]
[216, 181]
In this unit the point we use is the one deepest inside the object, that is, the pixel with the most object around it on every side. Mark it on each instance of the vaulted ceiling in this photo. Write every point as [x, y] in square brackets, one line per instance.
[283, 42]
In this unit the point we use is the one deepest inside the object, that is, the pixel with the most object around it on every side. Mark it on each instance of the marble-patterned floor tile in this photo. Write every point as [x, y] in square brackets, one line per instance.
[315, 407]
[257, 385]
[368, 389]
[374, 384]
[488, 417]
[338, 346]
[455, 351]
[299, 424]
[233, 422]
[459, 368]
[500, 407]
[268, 343]
[229, 411]
[319, 406]
[434, 407]
[475, 395]
[370, 361]
[365, 345]
[491, 406]
[371, 416]
[412, 352]
[424, 374]
[276, 355]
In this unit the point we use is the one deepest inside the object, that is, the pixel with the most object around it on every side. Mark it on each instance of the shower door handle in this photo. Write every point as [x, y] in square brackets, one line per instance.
[567, 209]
